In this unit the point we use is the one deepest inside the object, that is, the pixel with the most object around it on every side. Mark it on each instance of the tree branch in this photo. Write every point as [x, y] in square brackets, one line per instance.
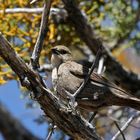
[71, 123]
[85, 32]
[42, 34]
[22, 10]
[125, 125]
[11, 128]
[51, 132]
[121, 132]
[33, 1]
[31, 10]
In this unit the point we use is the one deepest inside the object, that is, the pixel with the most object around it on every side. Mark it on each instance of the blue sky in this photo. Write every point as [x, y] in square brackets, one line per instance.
[10, 96]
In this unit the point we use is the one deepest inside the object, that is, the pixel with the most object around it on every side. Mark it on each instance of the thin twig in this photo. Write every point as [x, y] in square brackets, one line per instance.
[99, 71]
[31, 10]
[33, 1]
[21, 10]
[42, 34]
[51, 132]
[125, 125]
[60, 11]
[94, 64]
[92, 116]
[121, 132]
[101, 66]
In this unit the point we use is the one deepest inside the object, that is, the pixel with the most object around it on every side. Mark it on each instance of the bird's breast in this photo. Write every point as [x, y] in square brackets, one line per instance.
[66, 80]
[54, 78]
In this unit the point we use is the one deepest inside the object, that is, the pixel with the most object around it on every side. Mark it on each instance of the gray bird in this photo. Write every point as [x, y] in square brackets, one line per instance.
[67, 76]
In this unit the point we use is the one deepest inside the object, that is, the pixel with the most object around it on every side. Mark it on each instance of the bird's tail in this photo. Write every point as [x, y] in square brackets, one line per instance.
[122, 98]
[131, 102]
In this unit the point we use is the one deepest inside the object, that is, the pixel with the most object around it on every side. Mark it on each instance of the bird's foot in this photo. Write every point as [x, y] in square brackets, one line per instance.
[72, 103]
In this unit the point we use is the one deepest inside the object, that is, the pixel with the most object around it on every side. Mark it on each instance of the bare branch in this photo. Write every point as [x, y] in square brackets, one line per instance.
[121, 132]
[94, 65]
[33, 1]
[99, 71]
[71, 123]
[85, 32]
[125, 126]
[11, 128]
[22, 10]
[51, 132]
[93, 116]
[42, 34]
[31, 11]
[101, 67]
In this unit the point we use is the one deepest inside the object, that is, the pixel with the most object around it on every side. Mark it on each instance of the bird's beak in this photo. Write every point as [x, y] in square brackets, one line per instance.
[54, 51]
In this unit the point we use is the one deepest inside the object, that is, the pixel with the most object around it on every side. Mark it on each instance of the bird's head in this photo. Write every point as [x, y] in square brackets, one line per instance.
[60, 54]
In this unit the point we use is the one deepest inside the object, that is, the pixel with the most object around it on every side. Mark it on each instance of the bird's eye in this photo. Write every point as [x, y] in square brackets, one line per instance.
[63, 52]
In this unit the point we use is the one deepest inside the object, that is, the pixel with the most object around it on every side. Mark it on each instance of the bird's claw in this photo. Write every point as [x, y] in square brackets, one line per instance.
[72, 103]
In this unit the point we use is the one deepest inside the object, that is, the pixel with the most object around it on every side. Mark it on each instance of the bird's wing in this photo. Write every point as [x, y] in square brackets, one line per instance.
[113, 95]
[101, 80]
[82, 71]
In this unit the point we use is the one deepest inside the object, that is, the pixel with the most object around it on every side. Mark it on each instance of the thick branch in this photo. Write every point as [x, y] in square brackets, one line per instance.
[11, 128]
[71, 123]
[85, 31]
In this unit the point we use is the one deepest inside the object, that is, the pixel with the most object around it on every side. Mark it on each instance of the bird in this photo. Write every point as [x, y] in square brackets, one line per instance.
[98, 93]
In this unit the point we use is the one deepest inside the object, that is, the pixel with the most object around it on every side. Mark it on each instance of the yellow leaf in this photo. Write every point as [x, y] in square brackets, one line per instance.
[9, 76]
[2, 81]
[3, 73]
[52, 31]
